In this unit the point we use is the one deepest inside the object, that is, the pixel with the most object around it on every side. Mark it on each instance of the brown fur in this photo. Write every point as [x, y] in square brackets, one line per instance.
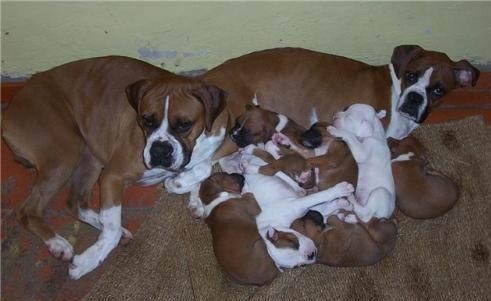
[349, 245]
[421, 192]
[75, 124]
[238, 247]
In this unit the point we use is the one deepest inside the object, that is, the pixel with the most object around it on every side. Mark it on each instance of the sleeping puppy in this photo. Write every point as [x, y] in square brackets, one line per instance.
[360, 127]
[345, 244]
[421, 192]
[238, 247]
[257, 125]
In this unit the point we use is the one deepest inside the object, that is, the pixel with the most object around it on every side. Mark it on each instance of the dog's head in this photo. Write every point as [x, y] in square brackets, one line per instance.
[361, 120]
[256, 125]
[316, 135]
[289, 248]
[220, 182]
[425, 77]
[311, 225]
[174, 112]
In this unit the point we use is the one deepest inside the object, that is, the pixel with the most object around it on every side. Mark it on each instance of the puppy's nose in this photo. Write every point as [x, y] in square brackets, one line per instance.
[240, 179]
[415, 98]
[311, 138]
[161, 153]
[311, 256]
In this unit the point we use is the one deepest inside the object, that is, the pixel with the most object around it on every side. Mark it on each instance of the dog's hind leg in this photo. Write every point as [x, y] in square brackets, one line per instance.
[83, 180]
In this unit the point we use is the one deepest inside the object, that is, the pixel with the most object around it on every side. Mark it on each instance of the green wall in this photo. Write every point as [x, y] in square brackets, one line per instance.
[183, 36]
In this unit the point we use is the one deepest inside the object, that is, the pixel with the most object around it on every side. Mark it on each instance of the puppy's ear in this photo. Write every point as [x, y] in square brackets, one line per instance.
[466, 75]
[214, 101]
[136, 91]
[365, 129]
[381, 114]
[272, 234]
[402, 55]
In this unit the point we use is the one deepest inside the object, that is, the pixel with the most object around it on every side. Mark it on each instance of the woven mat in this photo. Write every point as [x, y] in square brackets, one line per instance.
[446, 258]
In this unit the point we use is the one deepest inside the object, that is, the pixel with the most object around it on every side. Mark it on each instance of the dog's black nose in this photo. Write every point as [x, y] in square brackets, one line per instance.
[311, 256]
[161, 153]
[240, 179]
[415, 98]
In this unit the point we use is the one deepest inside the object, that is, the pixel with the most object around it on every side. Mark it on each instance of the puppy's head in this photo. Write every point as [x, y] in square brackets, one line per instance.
[174, 112]
[256, 125]
[361, 120]
[310, 225]
[425, 77]
[289, 248]
[407, 145]
[316, 135]
[218, 183]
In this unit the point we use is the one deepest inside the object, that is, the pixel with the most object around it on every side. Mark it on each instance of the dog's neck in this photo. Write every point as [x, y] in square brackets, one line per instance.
[222, 197]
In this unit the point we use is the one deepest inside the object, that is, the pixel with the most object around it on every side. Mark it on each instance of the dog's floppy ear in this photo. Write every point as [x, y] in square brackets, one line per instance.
[136, 91]
[466, 75]
[402, 55]
[214, 101]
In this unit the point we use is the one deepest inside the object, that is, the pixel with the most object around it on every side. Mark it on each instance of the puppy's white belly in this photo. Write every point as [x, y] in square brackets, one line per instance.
[373, 175]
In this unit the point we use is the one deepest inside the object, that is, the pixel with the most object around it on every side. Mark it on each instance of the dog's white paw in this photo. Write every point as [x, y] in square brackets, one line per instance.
[60, 248]
[344, 204]
[350, 219]
[344, 188]
[81, 265]
[175, 185]
[281, 139]
[126, 236]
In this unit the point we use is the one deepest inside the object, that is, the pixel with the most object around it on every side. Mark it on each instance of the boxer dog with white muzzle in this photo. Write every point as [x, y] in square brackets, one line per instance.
[75, 124]
[310, 86]
[360, 127]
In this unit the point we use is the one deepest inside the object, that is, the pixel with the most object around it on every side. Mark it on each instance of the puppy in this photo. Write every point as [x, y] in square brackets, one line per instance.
[421, 192]
[257, 125]
[359, 126]
[345, 244]
[238, 247]
[280, 206]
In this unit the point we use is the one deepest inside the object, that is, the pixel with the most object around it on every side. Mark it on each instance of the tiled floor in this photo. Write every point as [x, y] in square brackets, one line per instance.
[30, 273]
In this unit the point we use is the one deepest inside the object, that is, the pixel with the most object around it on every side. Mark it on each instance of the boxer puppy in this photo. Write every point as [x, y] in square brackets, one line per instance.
[348, 245]
[421, 192]
[313, 86]
[115, 119]
[257, 125]
[360, 127]
[231, 217]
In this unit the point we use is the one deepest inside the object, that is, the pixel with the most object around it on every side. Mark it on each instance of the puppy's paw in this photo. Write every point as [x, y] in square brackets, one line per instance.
[350, 219]
[281, 139]
[174, 185]
[344, 189]
[60, 248]
[80, 266]
[344, 204]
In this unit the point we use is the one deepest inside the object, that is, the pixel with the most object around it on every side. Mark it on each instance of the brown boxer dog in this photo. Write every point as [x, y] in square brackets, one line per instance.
[309, 86]
[421, 192]
[238, 247]
[348, 245]
[116, 119]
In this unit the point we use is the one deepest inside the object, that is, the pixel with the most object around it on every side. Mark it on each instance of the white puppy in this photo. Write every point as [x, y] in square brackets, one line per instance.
[359, 126]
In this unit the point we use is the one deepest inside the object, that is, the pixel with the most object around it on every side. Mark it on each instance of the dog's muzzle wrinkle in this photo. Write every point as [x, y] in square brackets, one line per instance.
[161, 154]
[412, 104]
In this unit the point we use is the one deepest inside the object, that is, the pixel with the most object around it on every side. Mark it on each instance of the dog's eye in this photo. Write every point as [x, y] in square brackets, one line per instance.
[437, 92]
[411, 77]
[148, 121]
[183, 127]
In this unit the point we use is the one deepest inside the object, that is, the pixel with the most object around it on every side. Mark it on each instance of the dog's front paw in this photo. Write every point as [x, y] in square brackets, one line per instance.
[350, 219]
[126, 236]
[175, 185]
[344, 204]
[60, 248]
[80, 266]
[344, 189]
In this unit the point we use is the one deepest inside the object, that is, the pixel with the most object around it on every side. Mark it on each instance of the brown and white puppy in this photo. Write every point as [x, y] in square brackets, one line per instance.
[349, 245]
[421, 192]
[310, 86]
[238, 247]
[102, 118]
